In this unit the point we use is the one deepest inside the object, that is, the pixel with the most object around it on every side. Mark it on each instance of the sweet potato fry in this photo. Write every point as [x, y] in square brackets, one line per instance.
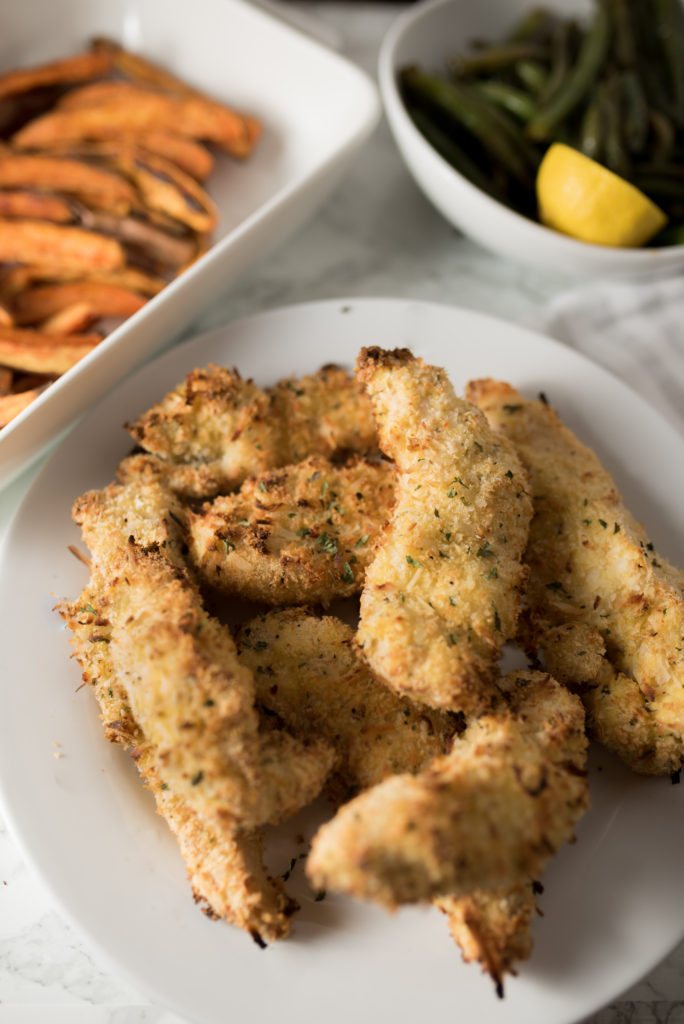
[143, 71]
[6, 319]
[16, 279]
[110, 90]
[94, 185]
[79, 68]
[35, 206]
[16, 111]
[142, 239]
[36, 304]
[12, 405]
[194, 116]
[188, 154]
[140, 69]
[70, 320]
[55, 354]
[34, 241]
[165, 187]
[6, 378]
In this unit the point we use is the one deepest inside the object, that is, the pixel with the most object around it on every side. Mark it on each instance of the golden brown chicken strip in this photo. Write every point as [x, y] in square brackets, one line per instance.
[187, 690]
[215, 429]
[225, 869]
[309, 672]
[303, 534]
[488, 814]
[442, 595]
[591, 563]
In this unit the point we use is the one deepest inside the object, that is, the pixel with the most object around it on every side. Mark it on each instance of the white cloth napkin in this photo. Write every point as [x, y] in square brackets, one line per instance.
[635, 330]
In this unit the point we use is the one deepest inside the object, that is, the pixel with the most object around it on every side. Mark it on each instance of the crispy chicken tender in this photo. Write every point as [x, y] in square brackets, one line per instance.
[225, 869]
[299, 535]
[488, 814]
[187, 690]
[591, 563]
[215, 429]
[443, 592]
[309, 672]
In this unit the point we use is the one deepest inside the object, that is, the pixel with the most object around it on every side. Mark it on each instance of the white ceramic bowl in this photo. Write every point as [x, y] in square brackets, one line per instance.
[316, 109]
[426, 35]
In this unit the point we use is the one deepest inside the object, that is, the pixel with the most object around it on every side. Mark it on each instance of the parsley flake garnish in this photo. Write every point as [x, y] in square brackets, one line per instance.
[328, 543]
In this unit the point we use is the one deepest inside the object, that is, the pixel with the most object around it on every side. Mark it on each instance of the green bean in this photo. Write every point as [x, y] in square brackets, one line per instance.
[591, 130]
[513, 100]
[624, 45]
[670, 29]
[661, 168]
[650, 61]
[591, 57]
[615, 150]
[635, 111]
[493, 58]
[673, 234]
[532, 74]
[462, 105]
[561, 47]
[659, 185]
[664, 135]
[533, 25]
[454, 154]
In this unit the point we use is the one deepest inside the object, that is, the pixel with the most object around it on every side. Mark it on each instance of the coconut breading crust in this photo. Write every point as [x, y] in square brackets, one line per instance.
[443, 592]
[591, 563]
[225, 869]
[303, 534]
[309, 672]
[187, 690]
[488, 814]
[215, 429]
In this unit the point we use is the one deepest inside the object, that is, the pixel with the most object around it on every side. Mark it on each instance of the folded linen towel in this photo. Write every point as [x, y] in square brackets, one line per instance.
[635, 330]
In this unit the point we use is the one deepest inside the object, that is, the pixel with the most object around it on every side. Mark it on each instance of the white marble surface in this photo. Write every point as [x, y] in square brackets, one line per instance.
[375, 236]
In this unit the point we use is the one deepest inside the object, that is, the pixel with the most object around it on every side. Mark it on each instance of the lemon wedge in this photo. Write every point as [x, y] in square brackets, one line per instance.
[581, 198]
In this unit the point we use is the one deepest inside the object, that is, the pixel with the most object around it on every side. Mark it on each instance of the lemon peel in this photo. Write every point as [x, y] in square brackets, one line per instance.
[579, 197]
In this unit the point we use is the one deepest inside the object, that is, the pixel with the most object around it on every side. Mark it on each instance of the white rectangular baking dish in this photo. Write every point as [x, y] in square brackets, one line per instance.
[316, 109]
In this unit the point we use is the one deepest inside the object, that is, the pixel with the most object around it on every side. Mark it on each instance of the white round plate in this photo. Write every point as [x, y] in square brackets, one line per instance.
[613, 902]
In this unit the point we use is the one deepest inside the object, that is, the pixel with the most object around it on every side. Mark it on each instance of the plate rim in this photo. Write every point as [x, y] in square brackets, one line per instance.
[119, 967]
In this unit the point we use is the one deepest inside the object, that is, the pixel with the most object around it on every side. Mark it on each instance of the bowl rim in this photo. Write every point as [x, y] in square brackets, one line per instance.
[529, 231]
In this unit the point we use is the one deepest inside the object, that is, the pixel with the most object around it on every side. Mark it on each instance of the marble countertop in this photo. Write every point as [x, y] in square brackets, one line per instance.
[356, 244]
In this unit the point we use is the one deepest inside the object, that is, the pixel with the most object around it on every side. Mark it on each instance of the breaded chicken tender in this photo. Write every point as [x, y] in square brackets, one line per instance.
[215, 429]
[442, 595]
[591, 563]
[488, 814]
[225, 869]
[187, 691]
[309, 672]
[303, 534]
